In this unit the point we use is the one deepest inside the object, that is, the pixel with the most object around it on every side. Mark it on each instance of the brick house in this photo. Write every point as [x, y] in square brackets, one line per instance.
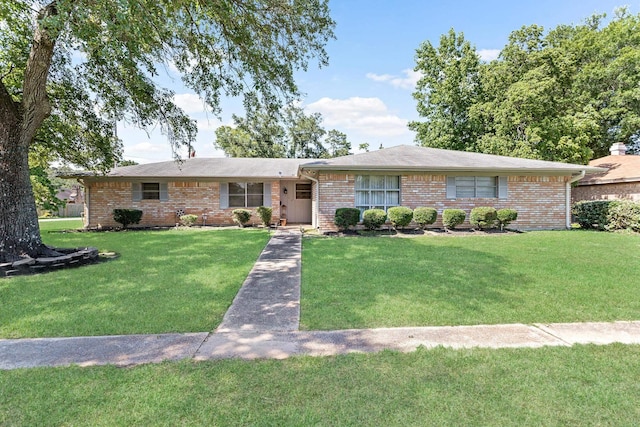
[620, 179]
[306, 191]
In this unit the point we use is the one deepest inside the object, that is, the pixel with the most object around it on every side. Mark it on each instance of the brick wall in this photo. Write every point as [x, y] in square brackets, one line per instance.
[622, 190]
[192, 196]
[539, 200]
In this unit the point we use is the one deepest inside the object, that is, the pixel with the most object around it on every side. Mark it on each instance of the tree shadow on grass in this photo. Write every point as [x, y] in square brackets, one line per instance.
[161, 282]
[408, 282]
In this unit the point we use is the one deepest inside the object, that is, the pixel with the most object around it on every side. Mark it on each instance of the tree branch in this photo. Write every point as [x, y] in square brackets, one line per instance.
[35, 103]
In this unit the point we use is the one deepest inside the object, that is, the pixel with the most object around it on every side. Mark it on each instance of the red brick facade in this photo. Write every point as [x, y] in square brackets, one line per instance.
[539, 200]
[193, 197]
[613, 191]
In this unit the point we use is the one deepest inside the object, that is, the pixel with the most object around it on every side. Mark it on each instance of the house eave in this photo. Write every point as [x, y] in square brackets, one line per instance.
[449, 170]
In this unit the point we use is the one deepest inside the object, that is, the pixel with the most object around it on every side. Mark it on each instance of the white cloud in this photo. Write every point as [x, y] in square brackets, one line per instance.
[368, 117]
[190, 103]
[488, 54]
[409, 80]
[147, 147]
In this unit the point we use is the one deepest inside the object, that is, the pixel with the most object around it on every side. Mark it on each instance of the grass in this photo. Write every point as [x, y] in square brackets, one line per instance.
[582, 385]
[162, 281]
[567, 276]
[60, 224]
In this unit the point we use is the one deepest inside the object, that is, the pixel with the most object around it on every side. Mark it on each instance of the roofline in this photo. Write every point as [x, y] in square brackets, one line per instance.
[510, 171]
[595, 181]
[179, 178]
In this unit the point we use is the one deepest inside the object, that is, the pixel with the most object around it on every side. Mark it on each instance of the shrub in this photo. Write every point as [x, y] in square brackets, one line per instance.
[624, 215]
[506, 217]
[241, 216]
[593, 214]
[483, 217]
[425, 216]
[346, 217]
[127, 216]
[188, 220]
[451, 218]
[374, 218]
[400, 216]
[265, 214]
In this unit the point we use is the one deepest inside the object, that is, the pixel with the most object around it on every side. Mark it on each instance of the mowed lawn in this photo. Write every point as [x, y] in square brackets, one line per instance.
[582, 385]
[561, 276]
[162, 281]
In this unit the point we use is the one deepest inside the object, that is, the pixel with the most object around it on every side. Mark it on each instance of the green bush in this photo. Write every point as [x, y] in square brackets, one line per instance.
[346, 217]
[265, 214]
[593, 214]
[624, 215]
[374, 218]
[483, 217]
[451, 218]
[188, 220]
[241, 216]
[127, 216]
[506, 217]
[424, 216]
[400, 216]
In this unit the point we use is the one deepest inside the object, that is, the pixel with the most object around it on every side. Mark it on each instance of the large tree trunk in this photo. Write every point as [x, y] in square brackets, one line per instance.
[19, 122]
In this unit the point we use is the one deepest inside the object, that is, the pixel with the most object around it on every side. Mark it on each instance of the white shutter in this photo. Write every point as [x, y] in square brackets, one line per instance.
[266, 195]
[451, 187]
[224, 195]
[502, 187]
[164, 191]
[136, 191]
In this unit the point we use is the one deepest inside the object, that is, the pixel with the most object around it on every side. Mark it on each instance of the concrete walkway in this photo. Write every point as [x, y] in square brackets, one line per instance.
[263, 322]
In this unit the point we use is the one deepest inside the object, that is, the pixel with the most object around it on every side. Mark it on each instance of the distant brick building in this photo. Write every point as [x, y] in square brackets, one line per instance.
[309, 191]
[621, 181]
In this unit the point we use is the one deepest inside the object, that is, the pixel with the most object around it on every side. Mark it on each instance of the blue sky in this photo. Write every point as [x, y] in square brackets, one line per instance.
[366, 90]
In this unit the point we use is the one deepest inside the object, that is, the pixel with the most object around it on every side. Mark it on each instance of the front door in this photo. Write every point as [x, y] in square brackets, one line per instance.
[296, 196]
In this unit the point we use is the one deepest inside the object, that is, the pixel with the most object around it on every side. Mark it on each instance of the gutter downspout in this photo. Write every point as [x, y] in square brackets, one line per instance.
[314, 216]
[568, 196]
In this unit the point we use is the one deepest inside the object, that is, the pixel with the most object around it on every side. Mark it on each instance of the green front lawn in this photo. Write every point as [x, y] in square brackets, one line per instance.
[162, 281]
[568, 276]
[582, 385]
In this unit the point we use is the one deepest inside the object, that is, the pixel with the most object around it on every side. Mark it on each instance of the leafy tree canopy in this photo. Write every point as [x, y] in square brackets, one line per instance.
[271, 134]
[564, 95]
[70, 69]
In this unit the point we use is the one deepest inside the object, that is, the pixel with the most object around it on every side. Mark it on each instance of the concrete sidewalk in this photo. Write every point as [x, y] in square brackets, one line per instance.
[263, 321]
[129, 350]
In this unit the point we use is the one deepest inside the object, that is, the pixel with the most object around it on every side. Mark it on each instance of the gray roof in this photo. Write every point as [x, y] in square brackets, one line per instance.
[201, 167]
[413, 158]
[400, 158]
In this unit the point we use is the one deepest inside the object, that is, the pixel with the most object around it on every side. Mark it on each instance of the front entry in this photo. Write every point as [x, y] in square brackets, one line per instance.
[296, 196]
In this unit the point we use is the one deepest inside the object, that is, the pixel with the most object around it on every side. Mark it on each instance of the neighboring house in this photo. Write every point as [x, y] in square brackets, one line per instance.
[620, 180]
[309, 191]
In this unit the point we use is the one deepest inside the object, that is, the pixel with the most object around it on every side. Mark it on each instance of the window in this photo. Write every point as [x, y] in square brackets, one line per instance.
[303, 191]
[150, 191]
[377, 192]
[246, 194]
[473, 187]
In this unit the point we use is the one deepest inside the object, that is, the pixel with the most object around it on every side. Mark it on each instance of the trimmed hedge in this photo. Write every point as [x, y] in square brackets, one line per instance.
[593, 214]
[241, 216]
[374, 218]
[400, 216]
[265, 214]
[424, 216]
[346, 217]
[483, 217]
[506, 217]
[624, 215]
[188, 220]
[451, 218]
[127, 216]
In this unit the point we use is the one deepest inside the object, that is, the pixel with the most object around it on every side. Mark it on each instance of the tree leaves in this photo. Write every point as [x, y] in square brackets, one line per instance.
[565, 96]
